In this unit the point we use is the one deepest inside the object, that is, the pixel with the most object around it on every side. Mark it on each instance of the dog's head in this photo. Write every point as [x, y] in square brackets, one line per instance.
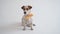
[26, 9]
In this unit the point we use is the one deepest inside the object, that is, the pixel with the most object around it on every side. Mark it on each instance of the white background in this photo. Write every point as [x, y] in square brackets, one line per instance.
[46, 16]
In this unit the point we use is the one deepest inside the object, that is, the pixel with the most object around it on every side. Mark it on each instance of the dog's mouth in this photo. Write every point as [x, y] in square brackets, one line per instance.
[27, 12]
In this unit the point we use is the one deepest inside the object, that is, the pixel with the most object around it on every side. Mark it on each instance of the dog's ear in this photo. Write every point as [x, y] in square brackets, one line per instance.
[22, 7]
[29, 7]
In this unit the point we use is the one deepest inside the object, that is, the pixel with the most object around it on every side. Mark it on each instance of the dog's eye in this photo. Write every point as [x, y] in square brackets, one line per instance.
[26, 8]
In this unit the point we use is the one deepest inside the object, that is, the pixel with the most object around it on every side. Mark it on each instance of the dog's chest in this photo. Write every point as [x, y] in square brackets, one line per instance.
[28, 16]
[27, 21]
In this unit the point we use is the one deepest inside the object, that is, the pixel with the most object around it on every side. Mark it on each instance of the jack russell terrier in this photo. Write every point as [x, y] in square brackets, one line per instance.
[27, 17]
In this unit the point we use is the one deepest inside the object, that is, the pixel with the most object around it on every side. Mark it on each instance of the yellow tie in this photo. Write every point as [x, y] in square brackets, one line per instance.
[29, 16]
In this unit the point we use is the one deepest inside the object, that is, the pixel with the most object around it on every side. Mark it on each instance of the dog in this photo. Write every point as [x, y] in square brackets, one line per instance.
[27, 17]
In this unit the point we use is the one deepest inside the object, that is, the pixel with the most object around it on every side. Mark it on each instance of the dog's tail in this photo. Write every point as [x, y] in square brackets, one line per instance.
[34, 25]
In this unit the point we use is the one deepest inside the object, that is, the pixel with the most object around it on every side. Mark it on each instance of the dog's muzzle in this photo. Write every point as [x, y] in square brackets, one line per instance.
[24, 12]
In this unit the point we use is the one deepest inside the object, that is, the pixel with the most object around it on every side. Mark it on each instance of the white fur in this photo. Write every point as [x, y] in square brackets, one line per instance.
[24, 21]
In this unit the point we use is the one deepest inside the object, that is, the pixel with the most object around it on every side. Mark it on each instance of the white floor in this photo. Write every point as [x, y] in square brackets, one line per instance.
[16, 28]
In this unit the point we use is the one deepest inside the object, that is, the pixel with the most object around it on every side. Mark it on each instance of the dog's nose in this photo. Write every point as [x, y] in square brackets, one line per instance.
[24, 12]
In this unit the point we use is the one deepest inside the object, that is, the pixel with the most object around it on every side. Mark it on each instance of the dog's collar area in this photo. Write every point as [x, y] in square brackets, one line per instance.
[28, 16]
